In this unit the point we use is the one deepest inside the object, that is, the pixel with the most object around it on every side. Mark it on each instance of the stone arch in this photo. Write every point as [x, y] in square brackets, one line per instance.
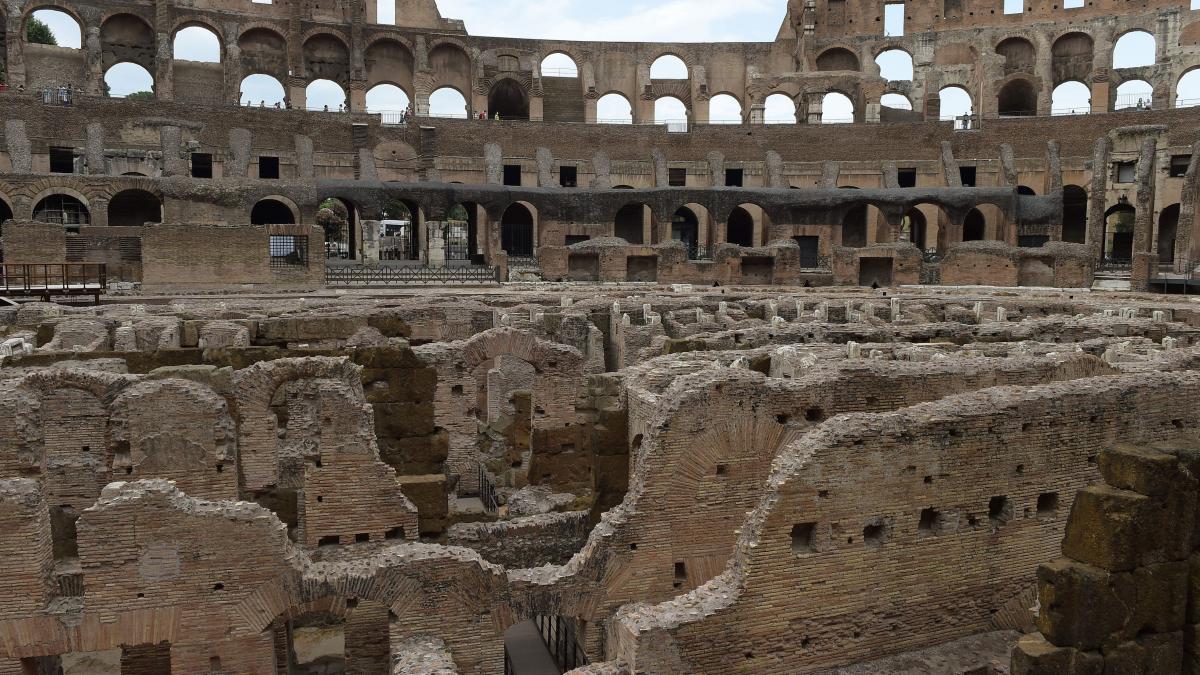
[780, 109]
[1071, 57]
[518, 225]
[509, 99]
[895, 64]
[629, 222]
[274, 210]
[1020, 56]
[388, 60]
[557, 66]
[1017, 98]
[451, 65]
[838, 59]
[264, 50]
[126, 37]
[67, 11]
[326, 57]
[667, 67]
[134, 207]
[197, 27]
[614, 107]
[1117, 240]
[62, 207]
[1135, 41]
[722, 100]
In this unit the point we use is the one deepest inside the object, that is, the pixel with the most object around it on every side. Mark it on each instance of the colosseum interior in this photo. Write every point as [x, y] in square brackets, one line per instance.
[363, 344]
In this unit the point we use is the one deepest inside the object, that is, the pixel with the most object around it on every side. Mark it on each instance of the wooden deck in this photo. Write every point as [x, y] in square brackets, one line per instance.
[49, 280]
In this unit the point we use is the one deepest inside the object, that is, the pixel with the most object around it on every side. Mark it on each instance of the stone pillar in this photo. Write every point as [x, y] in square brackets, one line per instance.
[94, 73]
[1185, 234]
[370, 241]
[15, 49]
[758, 113]
[1096, 197]
[536, 108]
[1145, 256]
[164, 64]
[231, 61]
[589, 108]
[435, 255]
[297, 92]
[1053, 184]
[358, 96]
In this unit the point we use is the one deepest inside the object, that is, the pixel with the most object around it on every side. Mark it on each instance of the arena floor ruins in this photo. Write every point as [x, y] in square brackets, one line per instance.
[657, 479]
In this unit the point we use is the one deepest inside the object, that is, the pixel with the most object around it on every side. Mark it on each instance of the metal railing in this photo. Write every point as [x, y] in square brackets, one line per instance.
[487, 491]
[385, 277]
[45, 280]
[560, 72]
[559, 636]
[1110, 264]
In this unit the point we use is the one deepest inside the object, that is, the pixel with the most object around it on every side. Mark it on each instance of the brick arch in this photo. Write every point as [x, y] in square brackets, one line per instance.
[393, 37]
[528, 347]
[53, 187]
[689, 59]
[325, 31]
[65, 9]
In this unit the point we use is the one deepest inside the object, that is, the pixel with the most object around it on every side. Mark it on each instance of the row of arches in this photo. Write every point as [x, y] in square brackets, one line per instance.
[128, 208]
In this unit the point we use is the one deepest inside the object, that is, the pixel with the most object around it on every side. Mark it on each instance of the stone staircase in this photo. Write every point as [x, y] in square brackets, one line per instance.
[563, 100]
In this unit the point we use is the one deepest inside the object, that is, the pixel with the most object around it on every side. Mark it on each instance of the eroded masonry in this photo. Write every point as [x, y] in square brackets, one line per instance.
[292, 388]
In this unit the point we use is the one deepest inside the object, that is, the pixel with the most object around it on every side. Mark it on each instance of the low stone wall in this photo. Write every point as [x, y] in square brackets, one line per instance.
[223, 255]
[532, 541]
[994, 263]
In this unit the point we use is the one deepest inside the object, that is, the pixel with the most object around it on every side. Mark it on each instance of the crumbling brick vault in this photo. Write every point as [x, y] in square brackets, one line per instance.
[632, 479]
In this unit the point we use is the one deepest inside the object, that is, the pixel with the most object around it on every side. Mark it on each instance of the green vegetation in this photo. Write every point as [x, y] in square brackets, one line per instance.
[39, 33]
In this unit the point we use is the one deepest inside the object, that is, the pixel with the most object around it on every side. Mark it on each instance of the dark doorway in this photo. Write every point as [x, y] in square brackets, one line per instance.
[271, 212]
[629, 223]
[1168, 224]
[516, 231]
[507, 99]
[1075, 205]
[809, 251]
[740, 228]
[854, 228]
[913, 228]
[974, 227]
[685, 227]
[512, 175]
[1118, 233]
[134, 208]
[875, 271]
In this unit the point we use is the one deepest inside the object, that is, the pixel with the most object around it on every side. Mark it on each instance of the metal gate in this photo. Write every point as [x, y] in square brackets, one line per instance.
[517, 239]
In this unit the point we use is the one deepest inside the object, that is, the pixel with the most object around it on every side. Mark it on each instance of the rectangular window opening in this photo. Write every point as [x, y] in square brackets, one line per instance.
[1076, 4]
[1014, 6]
[568, 176]
[733, 177]
[1047, 505]
[394, 533]
[512, 174]
[680, 574]
[804, 538]
[573, 239]
[907, 178]
[288, 251]
[1126, 172]
[268, 168]
[202, 165]
[893, 19]
[332, 540]
[968, 175]
[1179, 165]
[62, 160]
[677, 177]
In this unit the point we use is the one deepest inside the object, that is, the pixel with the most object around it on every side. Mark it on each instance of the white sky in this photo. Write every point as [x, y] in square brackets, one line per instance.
[624, 20]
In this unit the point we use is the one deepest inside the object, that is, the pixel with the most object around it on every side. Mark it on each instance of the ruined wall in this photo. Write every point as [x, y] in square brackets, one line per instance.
[216, 255]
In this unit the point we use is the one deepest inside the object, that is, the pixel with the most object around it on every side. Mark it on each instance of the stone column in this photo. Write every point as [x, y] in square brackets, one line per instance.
[370, 241]
[231, 61]
[436, 252]
[1096, 197]
[1185, 235]
[297, 91]
[94, 72]
[1145, 256]
[358, 96]
[15, 49]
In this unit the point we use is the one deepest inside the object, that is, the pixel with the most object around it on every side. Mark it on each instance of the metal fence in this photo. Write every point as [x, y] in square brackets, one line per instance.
[487, 491]
[559, 635]
[385, 277]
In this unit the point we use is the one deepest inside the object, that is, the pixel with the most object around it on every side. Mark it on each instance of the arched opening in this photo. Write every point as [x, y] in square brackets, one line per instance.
[614, 108]
[739, 229]
[854, 227]
[1019, 55]
[6, 213]
[1118, 234]
[53, 28]
[507, 100]
[895, 65]
[672, 112]
[261, 90]
[559, 64]
[1071, 98]
[1187, 91]
[460, 234]
[895, 102]
[837, 59]
[386, 98]
[325, 95]
[1026, 191]
[389, 61]
[1168, 228]
[451, 67]
[631, 222]
[264, 51]
[780, 109]
[448, 102]
[1135, 95]
[1075, 206]
[272, 212]
[1134, 50]
[62, 210]
[685, 227]
[400, 231]
[668, 67]
[338, 220]
[974, 226]
[955, 105]
[913, 228]
[1071, 57]
[134, 208]
[326, 57]
[128, 38]
[837, 108]
[129, 80]
[724, 109]
[1018, 98]
[198, 44]
[516, 231]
